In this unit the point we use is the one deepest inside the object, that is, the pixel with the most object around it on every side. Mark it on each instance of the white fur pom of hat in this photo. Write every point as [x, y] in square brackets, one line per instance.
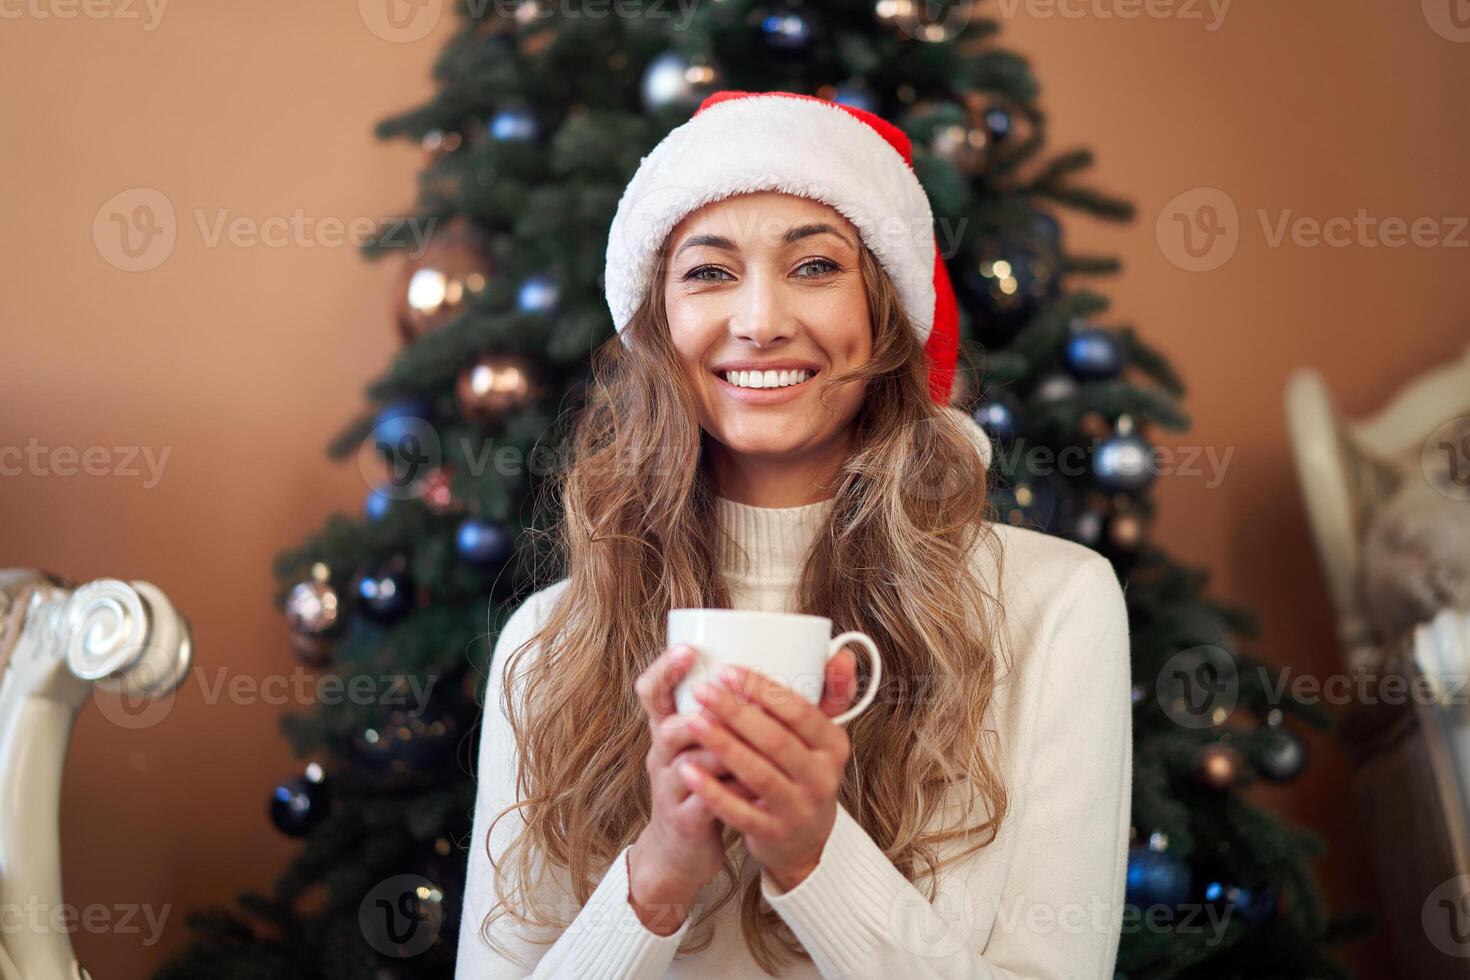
[853, 160]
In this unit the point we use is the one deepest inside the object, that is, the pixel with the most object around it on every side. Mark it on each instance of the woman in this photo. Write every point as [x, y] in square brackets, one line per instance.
[772, 432]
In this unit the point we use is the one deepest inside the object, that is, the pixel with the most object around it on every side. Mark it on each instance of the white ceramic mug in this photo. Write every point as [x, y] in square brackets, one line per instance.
[792, 648]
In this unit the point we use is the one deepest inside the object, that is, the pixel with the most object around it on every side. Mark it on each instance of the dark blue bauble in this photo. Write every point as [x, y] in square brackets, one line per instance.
[487, 544]
[1123, 463]
[401, 419]
[538, 294]
[1156, 878]
[855, 96]
[997, 417]
[298, 805]
[385, 595]
[1283, 756]
[1004, 283]
[1094, 354]
[407, 739]
[1255, 905]
[1045, 228]
[786, 29]
[510, 125]
[998, 123]
[377, 504]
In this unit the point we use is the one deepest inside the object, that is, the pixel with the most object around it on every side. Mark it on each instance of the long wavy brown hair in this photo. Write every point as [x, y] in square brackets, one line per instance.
[636, 537]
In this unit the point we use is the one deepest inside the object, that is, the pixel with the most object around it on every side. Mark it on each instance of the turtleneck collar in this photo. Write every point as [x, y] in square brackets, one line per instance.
[766, 545]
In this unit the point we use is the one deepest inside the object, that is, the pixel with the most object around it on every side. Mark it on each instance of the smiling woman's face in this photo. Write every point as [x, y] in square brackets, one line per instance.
[769, 282]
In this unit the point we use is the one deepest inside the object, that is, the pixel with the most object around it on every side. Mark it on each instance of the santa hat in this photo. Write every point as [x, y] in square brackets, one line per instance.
[848, 158]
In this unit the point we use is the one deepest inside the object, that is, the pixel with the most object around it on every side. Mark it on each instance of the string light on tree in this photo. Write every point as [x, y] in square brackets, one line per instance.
[1219, 765]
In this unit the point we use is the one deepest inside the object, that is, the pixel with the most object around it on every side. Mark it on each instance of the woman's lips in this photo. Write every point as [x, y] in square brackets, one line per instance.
[763, 396]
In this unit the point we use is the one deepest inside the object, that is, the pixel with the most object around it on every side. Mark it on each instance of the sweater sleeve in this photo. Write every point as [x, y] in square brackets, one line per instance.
[1060, 909]
[606, 939]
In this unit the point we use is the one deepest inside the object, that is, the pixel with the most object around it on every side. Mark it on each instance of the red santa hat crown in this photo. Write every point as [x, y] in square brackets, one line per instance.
[853, 160]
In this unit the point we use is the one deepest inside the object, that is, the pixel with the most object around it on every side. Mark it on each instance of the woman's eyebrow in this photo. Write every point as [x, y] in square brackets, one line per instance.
[792, 235]
[806, 231]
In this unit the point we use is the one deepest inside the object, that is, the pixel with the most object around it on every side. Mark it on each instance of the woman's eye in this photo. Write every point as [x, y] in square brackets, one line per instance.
[697, 275]
[823, 266]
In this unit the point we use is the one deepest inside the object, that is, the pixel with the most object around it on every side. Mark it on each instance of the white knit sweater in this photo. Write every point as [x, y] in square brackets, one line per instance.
[1044, 900]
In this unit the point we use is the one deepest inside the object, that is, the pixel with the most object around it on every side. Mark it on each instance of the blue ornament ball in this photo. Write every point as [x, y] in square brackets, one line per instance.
[1254, 905]
[511, 125]
[856, 96]
[1094, 354]
[1045, 228]
[484, 543]
[538, 294]
[1155, 878]
[298, 805]
[400, 419]
[1123, 463]
[997, 418]
[413, 738]
[377, 504]
[1004, 283]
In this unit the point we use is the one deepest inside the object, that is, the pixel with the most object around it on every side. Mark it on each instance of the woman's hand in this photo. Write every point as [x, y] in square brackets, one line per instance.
[682, 847]
[784, 751]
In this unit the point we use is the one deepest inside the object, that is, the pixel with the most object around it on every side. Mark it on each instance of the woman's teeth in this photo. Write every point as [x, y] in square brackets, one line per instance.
[766, 379]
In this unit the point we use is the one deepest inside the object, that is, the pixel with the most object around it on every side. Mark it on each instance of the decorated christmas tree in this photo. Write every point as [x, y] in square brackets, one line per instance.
[539, 117]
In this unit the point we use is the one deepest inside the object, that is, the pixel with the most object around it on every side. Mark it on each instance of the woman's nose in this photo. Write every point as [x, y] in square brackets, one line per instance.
[761, 316]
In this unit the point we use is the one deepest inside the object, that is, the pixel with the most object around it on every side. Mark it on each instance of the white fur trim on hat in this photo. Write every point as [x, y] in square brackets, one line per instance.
[805, 147]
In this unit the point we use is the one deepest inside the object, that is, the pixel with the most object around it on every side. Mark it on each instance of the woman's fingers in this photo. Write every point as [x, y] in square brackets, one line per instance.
[655, 686]
[840, 690]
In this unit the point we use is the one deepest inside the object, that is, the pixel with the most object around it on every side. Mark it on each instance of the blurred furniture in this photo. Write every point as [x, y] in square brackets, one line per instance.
[1408, 730]
[59, 643]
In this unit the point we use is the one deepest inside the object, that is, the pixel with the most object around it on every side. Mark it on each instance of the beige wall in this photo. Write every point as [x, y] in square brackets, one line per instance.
[240, 361]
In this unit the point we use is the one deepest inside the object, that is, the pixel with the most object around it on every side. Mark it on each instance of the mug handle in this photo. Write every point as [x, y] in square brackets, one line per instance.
[863, 640]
